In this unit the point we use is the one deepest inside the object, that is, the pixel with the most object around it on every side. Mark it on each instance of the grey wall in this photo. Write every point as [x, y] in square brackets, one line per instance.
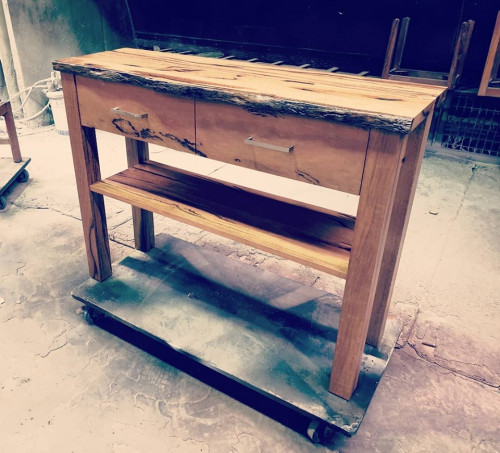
[41, 31]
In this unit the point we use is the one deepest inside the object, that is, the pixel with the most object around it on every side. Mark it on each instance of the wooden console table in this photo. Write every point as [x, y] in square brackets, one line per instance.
[353, 134]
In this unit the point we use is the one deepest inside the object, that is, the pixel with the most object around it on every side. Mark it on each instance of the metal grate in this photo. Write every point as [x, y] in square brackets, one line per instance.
[472, 124]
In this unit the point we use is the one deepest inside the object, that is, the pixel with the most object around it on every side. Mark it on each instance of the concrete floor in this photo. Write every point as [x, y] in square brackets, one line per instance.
[66, 386]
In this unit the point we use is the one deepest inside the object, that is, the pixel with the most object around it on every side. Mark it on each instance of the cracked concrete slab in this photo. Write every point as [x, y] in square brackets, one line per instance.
[68, 386]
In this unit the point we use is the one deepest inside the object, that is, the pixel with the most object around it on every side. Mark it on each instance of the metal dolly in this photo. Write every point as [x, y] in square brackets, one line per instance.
[11, 170]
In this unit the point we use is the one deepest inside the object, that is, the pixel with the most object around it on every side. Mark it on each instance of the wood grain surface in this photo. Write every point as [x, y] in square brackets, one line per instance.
[264, 88]
[399, 218]
[87, 171]
[319, 239]
[383, 163]
[323, 154]
[137, 113]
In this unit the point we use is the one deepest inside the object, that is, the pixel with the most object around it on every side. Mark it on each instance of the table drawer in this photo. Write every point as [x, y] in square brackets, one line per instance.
[318, 152]
[137, 112]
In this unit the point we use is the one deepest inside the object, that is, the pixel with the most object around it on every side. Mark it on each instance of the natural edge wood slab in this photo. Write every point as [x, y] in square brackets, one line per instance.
[265, 89]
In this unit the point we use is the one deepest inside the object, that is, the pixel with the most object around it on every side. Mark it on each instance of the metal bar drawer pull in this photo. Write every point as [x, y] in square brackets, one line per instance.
[125, 113]
[283, 149]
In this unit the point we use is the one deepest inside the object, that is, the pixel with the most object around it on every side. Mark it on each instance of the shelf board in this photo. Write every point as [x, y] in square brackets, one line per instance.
[304, 233]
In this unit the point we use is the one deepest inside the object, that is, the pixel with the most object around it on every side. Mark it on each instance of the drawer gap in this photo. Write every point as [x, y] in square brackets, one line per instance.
[306, 234]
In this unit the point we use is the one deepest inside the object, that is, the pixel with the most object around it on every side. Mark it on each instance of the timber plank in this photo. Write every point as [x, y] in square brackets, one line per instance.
[267, 89]
[314, 238]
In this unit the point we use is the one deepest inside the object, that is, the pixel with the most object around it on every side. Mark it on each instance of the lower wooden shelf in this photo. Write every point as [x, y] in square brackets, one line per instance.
[303, 233]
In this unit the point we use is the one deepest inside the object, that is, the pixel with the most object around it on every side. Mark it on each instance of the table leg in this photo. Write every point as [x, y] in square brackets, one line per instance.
[144, 236]
[6, 112]
[400, 215]
[87, 171]
[383, 162]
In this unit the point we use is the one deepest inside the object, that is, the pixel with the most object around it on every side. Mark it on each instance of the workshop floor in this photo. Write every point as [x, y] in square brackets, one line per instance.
[66, 386]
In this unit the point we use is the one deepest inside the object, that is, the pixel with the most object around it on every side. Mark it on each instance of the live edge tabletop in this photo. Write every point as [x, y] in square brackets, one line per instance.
[359, 135]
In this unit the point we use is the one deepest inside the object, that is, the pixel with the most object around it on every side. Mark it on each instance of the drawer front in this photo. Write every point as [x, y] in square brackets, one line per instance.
[137, 112]
[318, 152]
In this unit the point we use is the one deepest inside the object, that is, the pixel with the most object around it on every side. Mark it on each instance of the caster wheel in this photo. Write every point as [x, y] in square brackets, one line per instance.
[314, 431]
[88, 314]
[3, 202]
[23, 176]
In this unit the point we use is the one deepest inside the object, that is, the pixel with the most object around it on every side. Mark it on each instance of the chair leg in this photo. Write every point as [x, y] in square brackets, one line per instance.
[403, 31]
[390, 48]
[6, 112]
[461, 48]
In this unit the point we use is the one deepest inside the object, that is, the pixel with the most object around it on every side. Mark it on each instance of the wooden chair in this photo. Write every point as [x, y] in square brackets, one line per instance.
[394, 54]
[490, 82]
